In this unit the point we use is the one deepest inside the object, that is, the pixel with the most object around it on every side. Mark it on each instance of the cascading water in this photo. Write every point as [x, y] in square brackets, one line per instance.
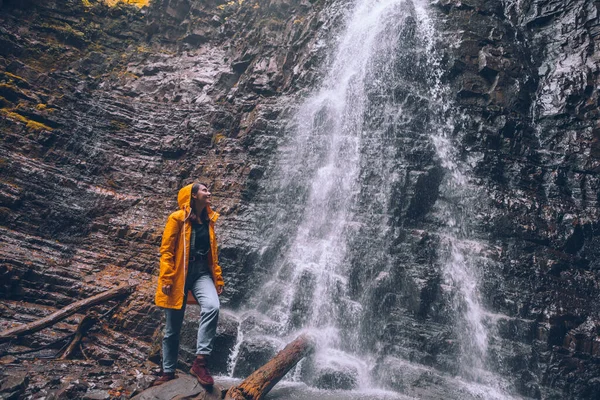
[333, 193]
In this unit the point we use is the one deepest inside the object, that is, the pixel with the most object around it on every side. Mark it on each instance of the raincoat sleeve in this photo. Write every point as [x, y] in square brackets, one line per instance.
[167, 251]
[218, 276]
[218, 273]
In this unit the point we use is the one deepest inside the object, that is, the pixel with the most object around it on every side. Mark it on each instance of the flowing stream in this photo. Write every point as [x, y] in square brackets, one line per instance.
[334, 189]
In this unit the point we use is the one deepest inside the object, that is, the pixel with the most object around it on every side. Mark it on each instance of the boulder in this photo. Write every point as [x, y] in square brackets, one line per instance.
[332, 370]
[184, 387]
[254, 352]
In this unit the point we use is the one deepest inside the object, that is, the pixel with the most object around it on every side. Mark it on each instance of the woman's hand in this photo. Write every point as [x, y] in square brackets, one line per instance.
[166, 289]
[220, 289]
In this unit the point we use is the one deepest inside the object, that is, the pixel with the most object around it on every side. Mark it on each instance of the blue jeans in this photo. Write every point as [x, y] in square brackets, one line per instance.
[205, 293]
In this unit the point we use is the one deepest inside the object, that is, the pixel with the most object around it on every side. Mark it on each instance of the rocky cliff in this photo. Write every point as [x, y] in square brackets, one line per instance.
[106, 110]
[526, 74]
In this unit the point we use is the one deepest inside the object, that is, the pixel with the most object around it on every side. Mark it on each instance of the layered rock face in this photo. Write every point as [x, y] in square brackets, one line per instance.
[526, 75]
[107, 111]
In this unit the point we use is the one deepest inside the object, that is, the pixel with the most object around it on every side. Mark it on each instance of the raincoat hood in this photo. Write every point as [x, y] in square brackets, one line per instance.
[184, 198]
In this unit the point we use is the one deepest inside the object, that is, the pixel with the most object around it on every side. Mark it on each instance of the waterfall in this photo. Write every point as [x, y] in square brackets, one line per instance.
[459, 255]
[334, 190]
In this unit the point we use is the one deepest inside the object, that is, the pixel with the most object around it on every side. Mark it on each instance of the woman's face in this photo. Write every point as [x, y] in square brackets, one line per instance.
[201, 198]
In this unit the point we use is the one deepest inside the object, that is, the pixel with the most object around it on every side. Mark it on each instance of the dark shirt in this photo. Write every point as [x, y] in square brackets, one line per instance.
[199, 249]
[200, 239]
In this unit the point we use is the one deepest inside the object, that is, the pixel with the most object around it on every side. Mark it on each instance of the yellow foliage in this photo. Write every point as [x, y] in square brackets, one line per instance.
[9, 88]
[143, 49]
[118, 125]
[41, 106]
[65, 29]
[15, 77]
[86, 3]
[37, 126]
[217, 138]
[31, 124]
[138, 3]
[230, 3]
[111, 182]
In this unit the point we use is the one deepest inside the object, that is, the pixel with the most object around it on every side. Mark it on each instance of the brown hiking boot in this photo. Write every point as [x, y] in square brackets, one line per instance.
[200, 371]
[165, 377]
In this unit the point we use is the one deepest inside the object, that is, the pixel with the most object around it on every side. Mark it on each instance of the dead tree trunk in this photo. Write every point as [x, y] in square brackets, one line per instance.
[63, 313]
[86, 323]
[261, 381]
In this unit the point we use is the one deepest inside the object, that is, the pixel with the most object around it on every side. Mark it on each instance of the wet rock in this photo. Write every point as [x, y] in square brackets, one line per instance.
[13, 386]
[426, 190]
[186, 386]
[257, 324]
[71, 388]
[253, 353]
[331, 372]
[102, 106]
[141, 383]
[225, 340]
[96, 395]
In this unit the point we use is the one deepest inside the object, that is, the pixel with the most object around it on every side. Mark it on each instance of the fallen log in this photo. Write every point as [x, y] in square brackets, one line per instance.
[261, 381]
[63, 313]
[86, 323]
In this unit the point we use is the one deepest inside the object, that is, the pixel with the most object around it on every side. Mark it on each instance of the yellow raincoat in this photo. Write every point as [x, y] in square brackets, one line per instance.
[174, 252]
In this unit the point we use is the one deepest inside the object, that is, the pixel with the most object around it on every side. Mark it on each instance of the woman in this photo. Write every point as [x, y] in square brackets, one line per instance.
[188, 262]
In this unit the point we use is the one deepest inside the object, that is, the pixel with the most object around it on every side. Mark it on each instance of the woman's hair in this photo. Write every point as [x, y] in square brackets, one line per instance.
[203, 217]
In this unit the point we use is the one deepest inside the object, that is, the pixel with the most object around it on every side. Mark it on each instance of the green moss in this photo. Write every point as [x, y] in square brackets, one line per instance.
[16, 78]
[4, 103]
[66, 33]
[217, 137]
[231, 3]
[138, 3]
[37, 126]
[118, 125]
[31, 124]
[7, 87]
[65, 29]
[10, 92]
